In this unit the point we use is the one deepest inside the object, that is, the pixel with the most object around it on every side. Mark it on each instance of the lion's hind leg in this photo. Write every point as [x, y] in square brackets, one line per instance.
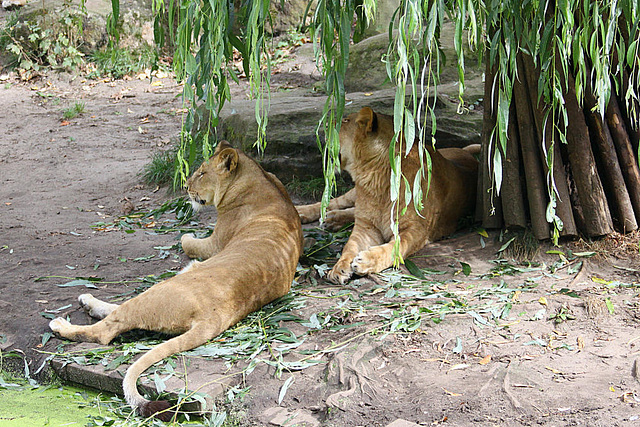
[102, 332]
[95, 307]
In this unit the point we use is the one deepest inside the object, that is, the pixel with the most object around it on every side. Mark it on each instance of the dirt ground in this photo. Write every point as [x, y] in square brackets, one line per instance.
[500, 343]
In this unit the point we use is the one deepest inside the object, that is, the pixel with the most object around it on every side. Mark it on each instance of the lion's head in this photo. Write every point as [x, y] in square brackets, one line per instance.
[364, 135]
[207, 184]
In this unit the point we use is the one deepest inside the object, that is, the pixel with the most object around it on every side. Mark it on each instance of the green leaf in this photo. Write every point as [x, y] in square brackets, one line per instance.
[284, 388]
[478, 318]
[506, 245]
[79, 282]
[159, 382]
[46, 337]
[632, 54]
[555, 252]
[610, 306]
[457, 349]
[569, 292]
[466, 268]
[413, 269]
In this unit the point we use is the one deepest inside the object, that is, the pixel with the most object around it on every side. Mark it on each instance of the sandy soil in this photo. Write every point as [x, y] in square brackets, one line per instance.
[495, 358]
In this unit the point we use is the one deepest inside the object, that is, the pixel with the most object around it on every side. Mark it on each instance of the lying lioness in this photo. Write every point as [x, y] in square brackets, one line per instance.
[365, 139]
[250, 260]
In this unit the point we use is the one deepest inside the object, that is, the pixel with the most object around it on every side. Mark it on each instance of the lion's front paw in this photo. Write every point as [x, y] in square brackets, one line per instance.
[308, 213]
[340, 273]
[58, 325]
[369, 261]
[189, 244]
[187, 238]
[338, 219]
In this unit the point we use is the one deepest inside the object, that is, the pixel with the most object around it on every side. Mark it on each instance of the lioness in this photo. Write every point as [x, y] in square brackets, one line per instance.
[365, 139]
[250, 260]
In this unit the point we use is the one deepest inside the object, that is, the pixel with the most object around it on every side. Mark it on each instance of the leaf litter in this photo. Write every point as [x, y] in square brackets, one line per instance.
[395, 303]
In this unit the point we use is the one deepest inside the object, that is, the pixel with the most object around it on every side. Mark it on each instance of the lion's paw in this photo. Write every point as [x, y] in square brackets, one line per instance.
[84, 301]
[58, 324]
[308, 213]
[367, 262]
[340, 273]
[189, 243]
[189, 237]
[336, 220]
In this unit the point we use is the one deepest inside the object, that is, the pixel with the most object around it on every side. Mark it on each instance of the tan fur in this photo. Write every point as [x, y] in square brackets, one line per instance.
[364, 152]
[249, 261]
[340, 212]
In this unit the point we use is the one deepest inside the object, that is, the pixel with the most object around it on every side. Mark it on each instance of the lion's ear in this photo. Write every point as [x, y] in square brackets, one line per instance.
[227, 160]
[222, 145]
[367, 120]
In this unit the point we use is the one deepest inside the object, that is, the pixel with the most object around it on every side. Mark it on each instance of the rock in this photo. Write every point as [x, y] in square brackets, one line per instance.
[366, 71]
[384, 12]
[279, 416]
[285, 16]
[13, 4]
[292, 149]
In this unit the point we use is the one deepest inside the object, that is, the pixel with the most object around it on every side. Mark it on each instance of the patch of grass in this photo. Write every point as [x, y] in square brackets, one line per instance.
[118, 62]
[520, 245]
[74, 111]
[161, 170]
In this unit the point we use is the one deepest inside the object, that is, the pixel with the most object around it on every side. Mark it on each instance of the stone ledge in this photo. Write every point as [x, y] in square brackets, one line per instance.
[202, 375]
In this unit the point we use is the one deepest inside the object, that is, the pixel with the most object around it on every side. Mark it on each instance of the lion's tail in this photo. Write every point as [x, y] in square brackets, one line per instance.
[194, 337]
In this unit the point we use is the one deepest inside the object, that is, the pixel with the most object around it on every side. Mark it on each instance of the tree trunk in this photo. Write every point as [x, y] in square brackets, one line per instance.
[590, 194]
[513, 210]
[626, 158]
[532, 164]
[615, 188]
[563, 201]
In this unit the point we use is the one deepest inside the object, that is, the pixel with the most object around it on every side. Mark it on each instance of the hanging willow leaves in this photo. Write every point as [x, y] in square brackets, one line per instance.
[591, 43]
[331, 33]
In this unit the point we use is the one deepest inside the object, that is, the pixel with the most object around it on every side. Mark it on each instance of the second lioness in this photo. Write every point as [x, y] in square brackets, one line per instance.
[249, 260]
[365, 139]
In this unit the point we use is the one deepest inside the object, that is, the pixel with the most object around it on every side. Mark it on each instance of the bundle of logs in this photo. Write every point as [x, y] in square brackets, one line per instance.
[596, 174]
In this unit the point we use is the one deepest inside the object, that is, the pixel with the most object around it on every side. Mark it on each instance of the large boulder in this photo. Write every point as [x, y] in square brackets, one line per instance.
[292, 149]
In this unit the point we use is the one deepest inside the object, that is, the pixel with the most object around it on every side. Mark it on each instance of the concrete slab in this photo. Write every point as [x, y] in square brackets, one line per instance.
[208, 377]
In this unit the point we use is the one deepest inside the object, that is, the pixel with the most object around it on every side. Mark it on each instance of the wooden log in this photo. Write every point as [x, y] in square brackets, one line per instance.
[532, 165]
[488, 207]
[624, 150]
[628, 112]
[594, 209]
[563, 201]
[623, 216]
[513, 210]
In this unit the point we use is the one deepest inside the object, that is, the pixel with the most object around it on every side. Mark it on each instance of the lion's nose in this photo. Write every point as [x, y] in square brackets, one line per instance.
[202, 202]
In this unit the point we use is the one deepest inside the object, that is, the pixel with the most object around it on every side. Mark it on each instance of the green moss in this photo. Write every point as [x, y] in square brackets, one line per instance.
[25, 406]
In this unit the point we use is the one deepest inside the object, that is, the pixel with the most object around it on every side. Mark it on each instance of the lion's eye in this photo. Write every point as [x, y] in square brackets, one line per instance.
[201, 173]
